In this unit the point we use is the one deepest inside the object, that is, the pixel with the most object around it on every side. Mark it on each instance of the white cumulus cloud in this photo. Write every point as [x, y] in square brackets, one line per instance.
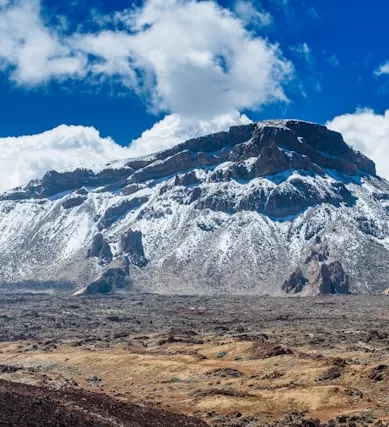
[382, 69]
[174, 129]
[193, 60]
[29, 50]
[68, 147]
[187, 57]
[28, 157]
[368, 132]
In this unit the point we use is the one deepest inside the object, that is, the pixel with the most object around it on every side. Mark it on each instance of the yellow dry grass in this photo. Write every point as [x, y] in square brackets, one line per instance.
[180, 377]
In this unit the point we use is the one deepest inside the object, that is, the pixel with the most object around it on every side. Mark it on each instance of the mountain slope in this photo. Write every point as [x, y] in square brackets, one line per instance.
[239, 212]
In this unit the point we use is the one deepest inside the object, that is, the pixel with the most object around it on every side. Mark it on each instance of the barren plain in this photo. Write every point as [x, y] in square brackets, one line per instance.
[227, 361]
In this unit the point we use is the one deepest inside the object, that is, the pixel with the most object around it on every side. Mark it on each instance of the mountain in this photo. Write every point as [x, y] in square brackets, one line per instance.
[276, 207]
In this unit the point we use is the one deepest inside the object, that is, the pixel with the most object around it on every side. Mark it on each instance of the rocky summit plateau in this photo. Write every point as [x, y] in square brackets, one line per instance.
[281, 207]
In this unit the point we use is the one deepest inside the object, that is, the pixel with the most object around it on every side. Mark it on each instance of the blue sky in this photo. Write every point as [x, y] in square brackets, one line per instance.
[308, 59]
[337, 32]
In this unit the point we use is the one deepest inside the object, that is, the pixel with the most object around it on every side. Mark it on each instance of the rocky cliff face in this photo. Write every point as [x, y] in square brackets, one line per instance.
[239, 212]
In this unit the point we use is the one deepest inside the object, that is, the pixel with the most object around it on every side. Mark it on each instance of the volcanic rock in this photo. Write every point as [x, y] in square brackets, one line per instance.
[323, 279]
[100, 249]
[234, 212]
[28, 406]
[131, 244]
[295, 283]
[111, 279]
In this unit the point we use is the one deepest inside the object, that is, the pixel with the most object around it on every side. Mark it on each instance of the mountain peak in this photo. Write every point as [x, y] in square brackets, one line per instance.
[237, 211]
[277, 145]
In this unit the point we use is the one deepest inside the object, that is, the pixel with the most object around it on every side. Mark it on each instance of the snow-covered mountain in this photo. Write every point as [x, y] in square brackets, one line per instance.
[275, 207]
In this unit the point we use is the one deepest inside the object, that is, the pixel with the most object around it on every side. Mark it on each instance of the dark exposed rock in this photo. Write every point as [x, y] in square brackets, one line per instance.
[324, 279]
[82, 191]
[299, 195]
[264, 350]
[177, 163]
[225, 372]
[290, 145]
[55, 182]
[255, 201]
[76, 199]
[111, 279]
[100, 249]
[317, 256]
[339, 278]
[132, 188]
[131, 244]
[368, 226]
[105, 253]
[115, 212]
[376, 335]
[379, 373]
[295, 283]
[331, 151]
[217, 201]
[212, 143]
[97, 244]
[9, 369]
[29, 406]
[187, 179]
[73, 202]
[289, 198]
[322, 282]
[171, 339]
[125, 264]
[332, 373]
[330, 279]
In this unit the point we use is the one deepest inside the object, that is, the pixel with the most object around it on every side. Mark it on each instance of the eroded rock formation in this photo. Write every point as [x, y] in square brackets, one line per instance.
[131, 244]
[100, 249]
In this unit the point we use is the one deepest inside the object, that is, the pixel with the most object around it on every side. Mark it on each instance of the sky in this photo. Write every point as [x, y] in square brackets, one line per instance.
[84, 82]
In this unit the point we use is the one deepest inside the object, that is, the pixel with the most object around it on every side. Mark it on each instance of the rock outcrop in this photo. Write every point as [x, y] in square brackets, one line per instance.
[295, 283]
[100, 249]
[111, 279]
[321, 278]
[132, 246]
[330, 279]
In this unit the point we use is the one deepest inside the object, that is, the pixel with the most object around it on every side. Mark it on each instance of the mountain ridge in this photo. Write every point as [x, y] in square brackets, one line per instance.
[236, 212]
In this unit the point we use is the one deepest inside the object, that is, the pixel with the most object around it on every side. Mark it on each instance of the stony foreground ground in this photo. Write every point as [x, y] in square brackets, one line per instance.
[228, 361]
[29, 406]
